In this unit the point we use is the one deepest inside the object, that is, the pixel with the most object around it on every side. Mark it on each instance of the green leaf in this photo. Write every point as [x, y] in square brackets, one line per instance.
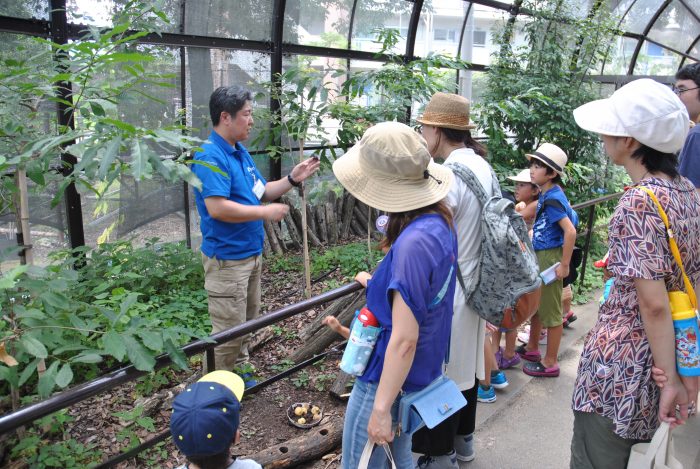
[152, 340]
[97, 109]
[139, 160]
[87, 358]
[47, 381]
[139, 356]
[28, 371]
[33, 346]
[147, 423]
[109, 155]
[176, 355]
[114, 345]
[57, 300]
[64, 376]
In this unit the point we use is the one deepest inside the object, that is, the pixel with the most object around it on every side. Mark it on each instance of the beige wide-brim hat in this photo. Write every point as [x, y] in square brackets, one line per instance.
[643, 109]
[522, 176]
[390, 169]
[447, 110]
[551, 155]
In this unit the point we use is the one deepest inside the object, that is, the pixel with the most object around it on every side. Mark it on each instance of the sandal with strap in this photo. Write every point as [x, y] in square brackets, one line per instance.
[529, 355]
[538, 369]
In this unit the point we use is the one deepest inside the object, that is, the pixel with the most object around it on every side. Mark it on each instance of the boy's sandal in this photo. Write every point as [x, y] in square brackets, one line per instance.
[529, 355]
[538, 369]
[569, 318]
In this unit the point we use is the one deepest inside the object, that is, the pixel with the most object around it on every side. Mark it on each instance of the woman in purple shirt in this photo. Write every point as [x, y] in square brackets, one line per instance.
[412, 290]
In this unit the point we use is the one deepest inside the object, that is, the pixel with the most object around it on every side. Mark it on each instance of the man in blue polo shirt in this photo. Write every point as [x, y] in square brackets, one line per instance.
[231, 211]
[687, 88]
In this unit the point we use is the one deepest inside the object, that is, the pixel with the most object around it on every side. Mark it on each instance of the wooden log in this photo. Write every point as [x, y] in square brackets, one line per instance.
[308, 447]
[347, 215]
[357, 228]
[311, 221]
[272, 238]
[361, 216]
[296, 216]
[294, 235]
[266, 246]
[341, 388]
[320, 211]
[331, 219]
[323, 338]
[339, 211]
[277, 230]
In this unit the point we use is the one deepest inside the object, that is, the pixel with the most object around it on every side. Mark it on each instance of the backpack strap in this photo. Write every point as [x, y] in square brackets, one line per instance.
[472, 182]
[551, 203]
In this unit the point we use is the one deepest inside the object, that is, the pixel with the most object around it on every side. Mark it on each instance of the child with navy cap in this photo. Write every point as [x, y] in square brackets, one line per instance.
[205, 419]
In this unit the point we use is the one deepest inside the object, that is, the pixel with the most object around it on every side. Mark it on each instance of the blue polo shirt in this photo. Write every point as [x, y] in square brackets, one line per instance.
[689, 165]
[223, 240]
[546, 232]
[419, 266]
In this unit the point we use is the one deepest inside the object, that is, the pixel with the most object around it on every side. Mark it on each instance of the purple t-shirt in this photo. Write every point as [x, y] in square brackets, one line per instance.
[420, 266]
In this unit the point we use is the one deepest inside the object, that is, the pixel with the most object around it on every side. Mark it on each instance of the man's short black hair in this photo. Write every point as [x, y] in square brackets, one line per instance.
[690, 72]
[229, 99]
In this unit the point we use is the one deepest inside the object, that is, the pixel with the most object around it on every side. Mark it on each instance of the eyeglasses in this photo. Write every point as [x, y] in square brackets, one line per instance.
[418, 128]
[680, 91]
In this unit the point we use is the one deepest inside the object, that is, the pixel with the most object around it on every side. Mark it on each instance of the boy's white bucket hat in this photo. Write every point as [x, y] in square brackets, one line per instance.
[390, 169]
[551, 155]
[522, 176]
[643, 109]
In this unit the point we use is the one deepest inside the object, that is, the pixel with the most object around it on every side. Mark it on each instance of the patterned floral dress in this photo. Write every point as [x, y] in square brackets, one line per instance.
[614, 374]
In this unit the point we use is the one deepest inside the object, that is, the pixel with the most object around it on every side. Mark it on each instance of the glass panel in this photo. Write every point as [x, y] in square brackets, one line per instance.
[207, 69]
[242, 19]
[102, 12]
[38, 9]
[380, 14]
[695, 51]
[440, 27]
[676, 27]
[618, 60]
[655, 60]
[326, 27]
[478, 44]
[639, 15]
[619, 8]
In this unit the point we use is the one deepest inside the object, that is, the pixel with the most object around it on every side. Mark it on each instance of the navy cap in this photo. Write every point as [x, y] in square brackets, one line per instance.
[205, 419]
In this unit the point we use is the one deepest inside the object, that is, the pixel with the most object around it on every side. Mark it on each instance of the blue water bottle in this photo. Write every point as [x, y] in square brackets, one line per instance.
[363, 336]
[685, 324]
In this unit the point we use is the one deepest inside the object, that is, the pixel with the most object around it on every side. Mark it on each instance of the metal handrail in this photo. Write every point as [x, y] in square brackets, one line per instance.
[81, 392]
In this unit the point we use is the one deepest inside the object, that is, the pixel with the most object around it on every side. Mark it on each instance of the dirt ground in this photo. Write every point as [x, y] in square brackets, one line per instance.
[264, 421]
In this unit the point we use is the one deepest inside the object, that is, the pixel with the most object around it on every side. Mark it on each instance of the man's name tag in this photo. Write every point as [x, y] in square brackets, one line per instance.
[259, 189]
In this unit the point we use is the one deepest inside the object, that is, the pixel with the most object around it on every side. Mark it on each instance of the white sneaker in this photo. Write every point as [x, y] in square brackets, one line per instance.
[464, 447]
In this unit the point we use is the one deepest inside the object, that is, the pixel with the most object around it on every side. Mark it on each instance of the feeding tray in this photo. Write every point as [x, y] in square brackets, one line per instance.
[309, 414]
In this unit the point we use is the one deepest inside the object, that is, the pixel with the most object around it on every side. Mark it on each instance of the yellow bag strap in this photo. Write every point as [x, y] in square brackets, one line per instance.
[674, 247]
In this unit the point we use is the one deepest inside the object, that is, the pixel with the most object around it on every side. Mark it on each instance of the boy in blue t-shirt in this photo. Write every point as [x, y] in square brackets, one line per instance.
[553, 238]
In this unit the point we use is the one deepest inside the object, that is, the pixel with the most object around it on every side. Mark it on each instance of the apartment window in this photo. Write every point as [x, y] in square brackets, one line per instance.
[444, 34]
[479, 38]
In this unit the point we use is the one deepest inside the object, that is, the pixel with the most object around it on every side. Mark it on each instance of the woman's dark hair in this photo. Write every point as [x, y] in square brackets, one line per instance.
[399, 221]
[216, 461]
[229, 99]
[657, 161]
[464, 136]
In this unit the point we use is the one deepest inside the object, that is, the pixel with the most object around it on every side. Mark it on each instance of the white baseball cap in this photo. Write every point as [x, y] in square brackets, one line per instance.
[643, 109]
[522, 176]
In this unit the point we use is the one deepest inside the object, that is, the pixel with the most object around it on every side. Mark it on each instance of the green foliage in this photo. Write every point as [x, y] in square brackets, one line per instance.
[350, 258]
[532, 91]
[282, 366]
[105, 68]
[35, 451]
[301, 379]
[112, 304]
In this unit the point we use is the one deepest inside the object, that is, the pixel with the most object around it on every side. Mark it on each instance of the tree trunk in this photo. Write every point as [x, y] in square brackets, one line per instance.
[294, 236]
[296, 216]
[311, 446]
[361, 216]
[278, 233]
[311, 221]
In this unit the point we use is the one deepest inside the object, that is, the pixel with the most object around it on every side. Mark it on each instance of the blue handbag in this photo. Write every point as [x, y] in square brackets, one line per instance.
[438, 400]
[430, 406]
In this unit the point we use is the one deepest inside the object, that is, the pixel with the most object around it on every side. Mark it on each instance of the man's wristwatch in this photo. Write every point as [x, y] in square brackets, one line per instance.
[292, 181]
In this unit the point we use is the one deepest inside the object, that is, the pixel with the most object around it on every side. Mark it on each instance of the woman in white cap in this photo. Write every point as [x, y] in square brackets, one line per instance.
[616, 403]
[411, 291]
[446, 128]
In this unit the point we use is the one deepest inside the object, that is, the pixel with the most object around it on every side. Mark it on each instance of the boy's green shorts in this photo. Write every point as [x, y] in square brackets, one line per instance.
[550, 303]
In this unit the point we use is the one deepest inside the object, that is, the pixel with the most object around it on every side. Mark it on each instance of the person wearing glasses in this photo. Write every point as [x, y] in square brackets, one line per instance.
[687, 88]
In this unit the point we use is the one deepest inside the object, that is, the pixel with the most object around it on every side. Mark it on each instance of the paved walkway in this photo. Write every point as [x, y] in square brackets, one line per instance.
[530, 425]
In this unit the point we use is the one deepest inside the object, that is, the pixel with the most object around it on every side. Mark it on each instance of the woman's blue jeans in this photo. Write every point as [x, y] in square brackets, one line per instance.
[355, 431]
